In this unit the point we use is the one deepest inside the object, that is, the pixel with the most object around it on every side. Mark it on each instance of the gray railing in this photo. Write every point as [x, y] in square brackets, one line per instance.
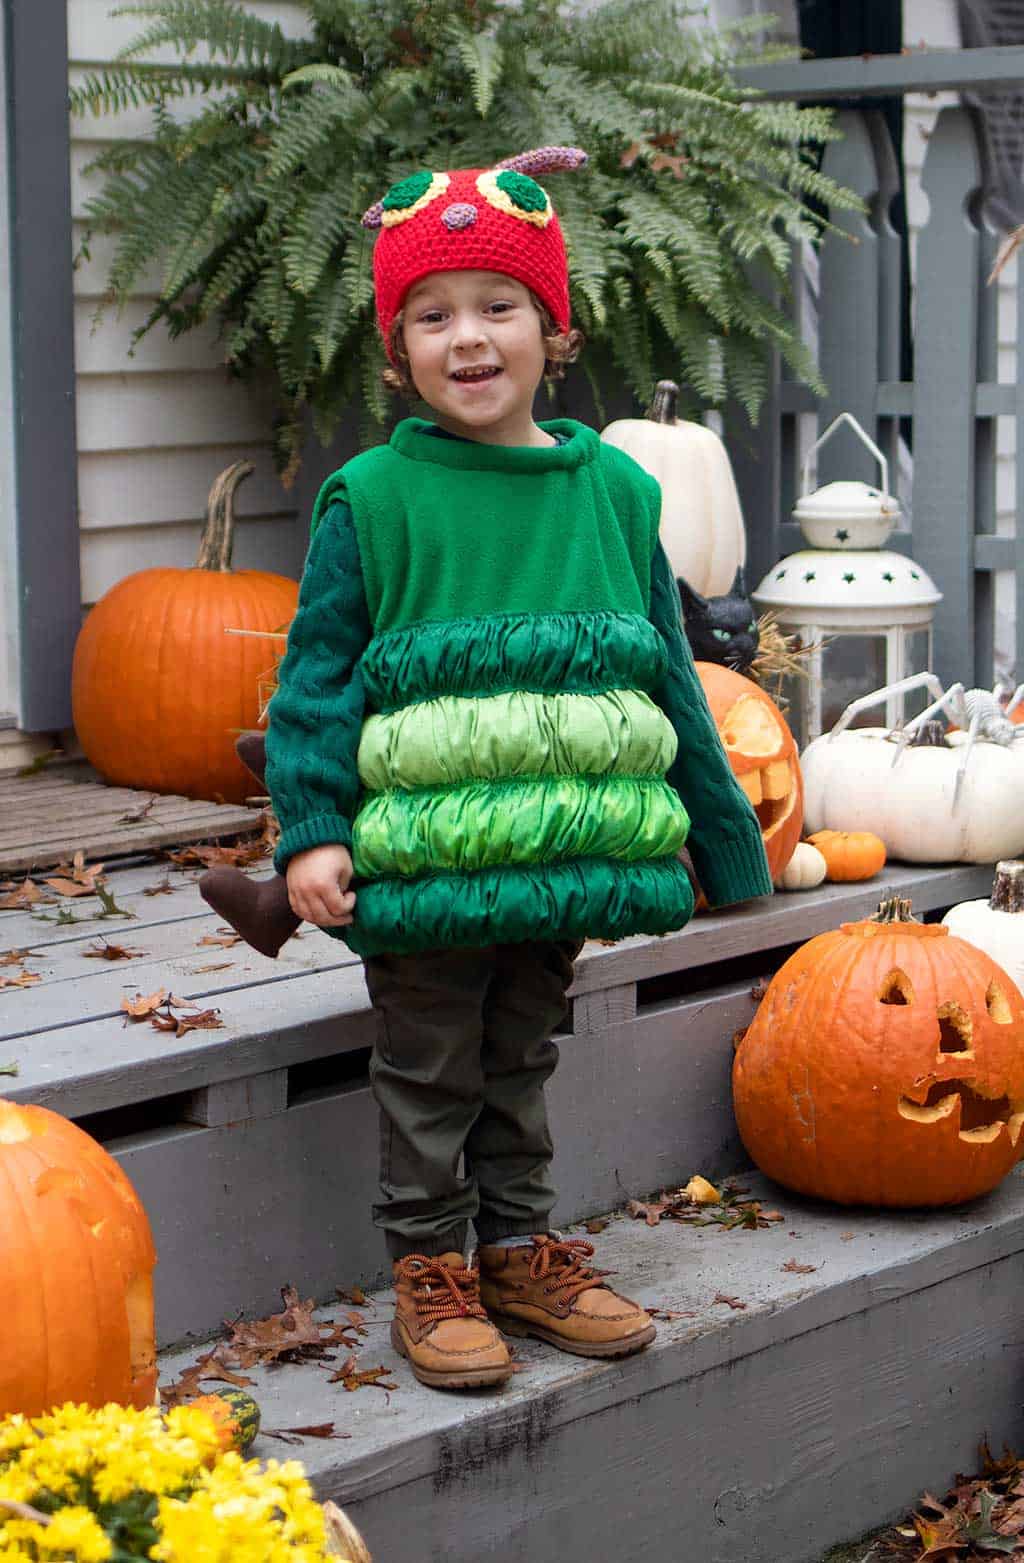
[955, 395]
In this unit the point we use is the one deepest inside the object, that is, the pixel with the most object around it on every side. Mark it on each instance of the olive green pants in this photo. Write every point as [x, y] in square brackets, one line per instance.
[462, 1055]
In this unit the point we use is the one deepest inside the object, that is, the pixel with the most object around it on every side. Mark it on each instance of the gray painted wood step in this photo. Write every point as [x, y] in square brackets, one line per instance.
[760, 1435]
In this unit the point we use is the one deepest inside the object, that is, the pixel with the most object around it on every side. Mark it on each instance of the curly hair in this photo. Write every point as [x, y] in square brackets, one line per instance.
[560, 348]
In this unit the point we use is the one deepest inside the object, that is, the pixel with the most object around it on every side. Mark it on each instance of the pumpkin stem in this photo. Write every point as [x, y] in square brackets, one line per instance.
[932, 735]
[219, 532]
[1008, 887]
[663, 407]
[894, 909]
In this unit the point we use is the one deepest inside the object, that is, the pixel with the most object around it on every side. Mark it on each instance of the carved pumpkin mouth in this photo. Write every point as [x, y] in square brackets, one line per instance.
[772, 793]
[982, 1118]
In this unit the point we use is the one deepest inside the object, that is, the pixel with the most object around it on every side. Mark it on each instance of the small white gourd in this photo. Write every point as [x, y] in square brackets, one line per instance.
[805, 870]
[997, 925]
[701, 520]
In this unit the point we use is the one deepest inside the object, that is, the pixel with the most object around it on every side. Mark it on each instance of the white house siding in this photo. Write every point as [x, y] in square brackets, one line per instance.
[154, 429]
[934, 23]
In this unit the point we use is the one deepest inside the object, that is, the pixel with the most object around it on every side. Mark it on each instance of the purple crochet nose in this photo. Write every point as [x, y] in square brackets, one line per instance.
[461, 214]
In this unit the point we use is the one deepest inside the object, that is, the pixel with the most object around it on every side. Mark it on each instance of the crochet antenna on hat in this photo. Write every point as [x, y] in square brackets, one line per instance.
[473, 219]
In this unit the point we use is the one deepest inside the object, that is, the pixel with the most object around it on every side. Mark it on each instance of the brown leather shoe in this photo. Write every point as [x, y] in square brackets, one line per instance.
[441, 1327]
[551, 1291]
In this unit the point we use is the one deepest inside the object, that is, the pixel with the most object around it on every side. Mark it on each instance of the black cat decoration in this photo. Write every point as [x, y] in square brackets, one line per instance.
[721, 629]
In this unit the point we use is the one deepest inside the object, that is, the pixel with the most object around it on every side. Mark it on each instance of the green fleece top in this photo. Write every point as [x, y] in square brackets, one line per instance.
[487, 696]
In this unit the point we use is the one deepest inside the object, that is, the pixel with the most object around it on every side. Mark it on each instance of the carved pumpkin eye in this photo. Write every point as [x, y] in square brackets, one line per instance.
[411, 195]
[516, 194]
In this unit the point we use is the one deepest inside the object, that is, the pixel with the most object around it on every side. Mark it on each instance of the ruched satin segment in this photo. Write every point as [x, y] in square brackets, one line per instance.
[599, 900]
[486, 824]
[518, 734]
[552, 653]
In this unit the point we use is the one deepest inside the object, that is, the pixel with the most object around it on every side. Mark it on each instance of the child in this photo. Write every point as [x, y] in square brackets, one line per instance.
[485, 685]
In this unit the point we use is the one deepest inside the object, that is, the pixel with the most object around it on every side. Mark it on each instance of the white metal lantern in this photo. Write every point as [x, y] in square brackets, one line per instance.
[847, 585]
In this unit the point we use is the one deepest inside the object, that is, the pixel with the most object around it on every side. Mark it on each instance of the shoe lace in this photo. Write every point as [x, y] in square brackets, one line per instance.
[562, 1265]
[441, 1291]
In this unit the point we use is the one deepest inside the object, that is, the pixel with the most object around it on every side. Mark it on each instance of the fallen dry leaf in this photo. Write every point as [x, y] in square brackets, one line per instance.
[847, 1237]
[759, 989]
[24, 979]
[112, 952]
[224, 938]
[664, 160]
[669, 1313]
[140, 1008]
[595, 1225]
[14, 957]
[210, 1366]
[234, 857]
[23, 895]
[135, 816]
[369, 1378]
[163, 888]
[352, 1294]
[203, 1020]
[295, 1435]
[733, 1302]
[292, 1335]
[796, 1268]
[70, 887]
[701, 1192]
[195, 971]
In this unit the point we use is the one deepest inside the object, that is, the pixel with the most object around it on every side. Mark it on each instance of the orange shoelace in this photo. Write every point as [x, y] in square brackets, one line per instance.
[440, 1291]
[562, 1264]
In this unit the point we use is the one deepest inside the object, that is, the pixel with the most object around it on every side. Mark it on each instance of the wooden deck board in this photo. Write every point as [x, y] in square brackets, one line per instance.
[45, 819]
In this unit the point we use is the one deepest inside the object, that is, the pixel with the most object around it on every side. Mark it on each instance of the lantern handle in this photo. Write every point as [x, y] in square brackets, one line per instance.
[844, 417]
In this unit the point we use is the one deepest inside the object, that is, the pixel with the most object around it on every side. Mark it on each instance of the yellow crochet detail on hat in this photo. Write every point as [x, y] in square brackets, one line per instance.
[393, 215]
[491, 189]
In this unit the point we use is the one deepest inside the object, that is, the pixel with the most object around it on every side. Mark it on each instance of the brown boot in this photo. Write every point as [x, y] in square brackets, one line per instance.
[551, 1291]
[441, 1327]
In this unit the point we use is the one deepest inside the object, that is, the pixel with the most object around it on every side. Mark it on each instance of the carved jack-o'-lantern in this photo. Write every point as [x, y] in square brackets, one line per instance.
[763, 756]
[885, 1066]
[76, 1270]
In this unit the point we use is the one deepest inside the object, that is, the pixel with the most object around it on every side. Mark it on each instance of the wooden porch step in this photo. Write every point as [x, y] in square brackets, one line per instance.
[761, 1434]
[254, 1146]
[48, 817]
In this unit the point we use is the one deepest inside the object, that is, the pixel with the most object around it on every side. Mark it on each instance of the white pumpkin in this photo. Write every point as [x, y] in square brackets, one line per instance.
[805, 870]
[701, 520]
[997, 925]
[851, 783]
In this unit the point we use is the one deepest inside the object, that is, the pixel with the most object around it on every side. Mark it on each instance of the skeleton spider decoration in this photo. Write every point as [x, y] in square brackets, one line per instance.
[932, 796]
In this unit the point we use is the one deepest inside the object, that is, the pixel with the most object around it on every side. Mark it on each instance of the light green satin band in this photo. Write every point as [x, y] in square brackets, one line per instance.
[488, 824]
[440, 742]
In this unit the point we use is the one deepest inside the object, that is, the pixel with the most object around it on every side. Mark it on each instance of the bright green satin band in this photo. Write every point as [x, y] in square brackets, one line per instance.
[489, 824]
[439, 743]
[588, 897]
[556, 653]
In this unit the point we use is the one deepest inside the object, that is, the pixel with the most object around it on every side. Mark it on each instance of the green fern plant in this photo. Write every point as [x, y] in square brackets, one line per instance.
[253, 202]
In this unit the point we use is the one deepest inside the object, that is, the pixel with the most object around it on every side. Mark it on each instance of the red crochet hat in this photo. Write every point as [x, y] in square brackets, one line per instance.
[473, 219]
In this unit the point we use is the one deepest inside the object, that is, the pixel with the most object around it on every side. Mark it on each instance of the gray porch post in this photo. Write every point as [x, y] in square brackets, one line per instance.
[39, 242]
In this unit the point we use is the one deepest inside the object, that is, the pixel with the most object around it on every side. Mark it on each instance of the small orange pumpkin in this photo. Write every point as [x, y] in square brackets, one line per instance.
[763, 756]
[76, 1270]
[849, 854]
[159, 691]
[885, 1066]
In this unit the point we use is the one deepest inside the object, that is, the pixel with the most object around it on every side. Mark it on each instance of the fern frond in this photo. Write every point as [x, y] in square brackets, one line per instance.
[482, 56]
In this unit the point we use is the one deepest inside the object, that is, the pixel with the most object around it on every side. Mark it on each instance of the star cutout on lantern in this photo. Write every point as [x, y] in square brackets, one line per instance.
[914, 575]
[849, 576]
[780, 575]
[887, 575]
[809, 575]
[842, 535]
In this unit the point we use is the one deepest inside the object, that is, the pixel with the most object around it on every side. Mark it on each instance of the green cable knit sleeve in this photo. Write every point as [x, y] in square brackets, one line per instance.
[725, 837]
[316, 714]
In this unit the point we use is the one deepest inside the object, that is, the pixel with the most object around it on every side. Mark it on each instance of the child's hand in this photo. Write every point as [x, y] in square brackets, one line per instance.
[318, 882]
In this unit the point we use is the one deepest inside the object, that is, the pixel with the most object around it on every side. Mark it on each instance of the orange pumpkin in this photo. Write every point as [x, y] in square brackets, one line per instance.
[849, 854]
[763, 756]
[159, 690]
[76, 1270]
[885, 1066]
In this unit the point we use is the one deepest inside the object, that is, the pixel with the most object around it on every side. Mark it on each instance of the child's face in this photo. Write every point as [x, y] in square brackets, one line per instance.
[459, 320]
